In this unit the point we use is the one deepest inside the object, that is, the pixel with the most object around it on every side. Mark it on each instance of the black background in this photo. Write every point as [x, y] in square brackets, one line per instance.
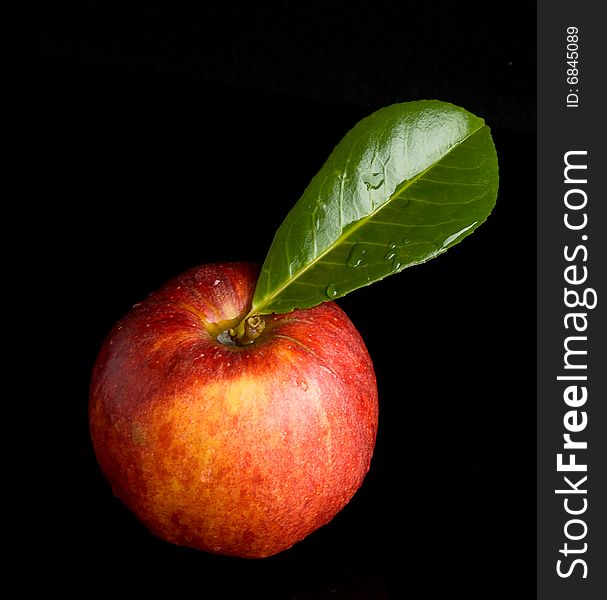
[165, 133]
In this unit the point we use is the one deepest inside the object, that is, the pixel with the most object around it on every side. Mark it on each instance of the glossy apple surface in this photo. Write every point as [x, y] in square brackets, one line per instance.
[238, 450]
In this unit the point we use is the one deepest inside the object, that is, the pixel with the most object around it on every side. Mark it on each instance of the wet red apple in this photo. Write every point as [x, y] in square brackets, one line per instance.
[235, 449]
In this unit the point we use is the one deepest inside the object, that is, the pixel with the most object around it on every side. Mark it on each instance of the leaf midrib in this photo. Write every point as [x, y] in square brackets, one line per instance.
[359, 223]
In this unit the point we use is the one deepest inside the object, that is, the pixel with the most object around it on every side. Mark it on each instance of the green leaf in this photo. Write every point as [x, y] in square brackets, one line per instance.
[403, 186]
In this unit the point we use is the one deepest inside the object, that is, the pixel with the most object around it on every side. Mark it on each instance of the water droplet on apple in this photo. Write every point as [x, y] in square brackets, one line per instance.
[216, 282]
[357, 256]
[331, 291]
[225, 338]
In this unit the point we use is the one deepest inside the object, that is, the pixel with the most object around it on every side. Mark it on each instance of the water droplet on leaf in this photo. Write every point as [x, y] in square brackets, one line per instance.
[395, 253]
[454, 237]
[357, 256]
[331, 291]
[373, 179]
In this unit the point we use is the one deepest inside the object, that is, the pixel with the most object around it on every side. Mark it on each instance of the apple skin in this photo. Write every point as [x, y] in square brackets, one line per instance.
[236, 450]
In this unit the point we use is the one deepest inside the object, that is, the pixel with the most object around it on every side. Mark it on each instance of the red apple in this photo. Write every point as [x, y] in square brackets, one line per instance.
[238, 450]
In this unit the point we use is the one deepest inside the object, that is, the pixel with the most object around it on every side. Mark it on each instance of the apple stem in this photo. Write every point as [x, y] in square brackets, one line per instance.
[248, 330]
